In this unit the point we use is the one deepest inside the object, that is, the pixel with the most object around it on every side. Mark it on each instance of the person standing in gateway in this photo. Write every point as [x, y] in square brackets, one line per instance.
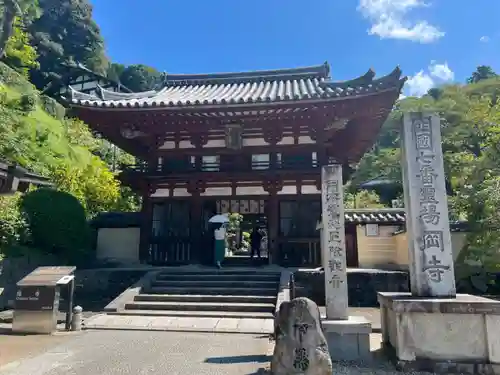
[255, 240]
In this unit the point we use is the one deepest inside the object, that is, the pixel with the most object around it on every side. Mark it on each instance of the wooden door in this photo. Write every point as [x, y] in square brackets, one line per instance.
[351, 247]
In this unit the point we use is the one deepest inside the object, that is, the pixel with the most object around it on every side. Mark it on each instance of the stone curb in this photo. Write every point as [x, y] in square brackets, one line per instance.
[167, 329]
[128, 295]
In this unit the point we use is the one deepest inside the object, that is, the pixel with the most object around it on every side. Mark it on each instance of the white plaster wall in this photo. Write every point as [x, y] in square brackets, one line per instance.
[310, 189]
[251, 190]
[288, 190]
[216, 191]
[254, 142]
[120, 244]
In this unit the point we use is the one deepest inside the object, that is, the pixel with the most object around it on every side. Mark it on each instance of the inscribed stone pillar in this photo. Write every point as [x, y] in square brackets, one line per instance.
[427, 222]
[333, 242]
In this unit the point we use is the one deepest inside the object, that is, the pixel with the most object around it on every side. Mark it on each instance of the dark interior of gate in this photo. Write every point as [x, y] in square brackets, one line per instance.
[251, 143]
[298, 241]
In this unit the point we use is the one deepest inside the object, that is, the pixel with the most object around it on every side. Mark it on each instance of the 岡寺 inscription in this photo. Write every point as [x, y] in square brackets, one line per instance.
[426, 205]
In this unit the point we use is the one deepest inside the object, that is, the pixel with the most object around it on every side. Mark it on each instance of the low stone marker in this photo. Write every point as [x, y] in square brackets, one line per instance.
[301, 347]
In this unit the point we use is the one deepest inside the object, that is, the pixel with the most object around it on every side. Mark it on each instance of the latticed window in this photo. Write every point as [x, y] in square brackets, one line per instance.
[210, 163]
[260, 161]
[171, 219]
[298, 219]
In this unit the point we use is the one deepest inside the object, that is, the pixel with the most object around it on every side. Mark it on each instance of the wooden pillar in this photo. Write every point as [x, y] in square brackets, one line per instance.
[146, 224]
[273, 209]
[272, 187]
[195, 231]
[197, 248]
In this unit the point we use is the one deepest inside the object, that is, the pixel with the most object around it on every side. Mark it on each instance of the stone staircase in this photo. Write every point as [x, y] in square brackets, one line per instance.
[225, 293]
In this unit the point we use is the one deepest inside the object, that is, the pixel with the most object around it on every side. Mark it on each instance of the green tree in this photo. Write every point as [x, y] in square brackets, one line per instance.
[362, 199]
[470, 126]
[19, 54]
[11, 9]
[66, 33]
[115, 71]
[140, 78]
[481, 73]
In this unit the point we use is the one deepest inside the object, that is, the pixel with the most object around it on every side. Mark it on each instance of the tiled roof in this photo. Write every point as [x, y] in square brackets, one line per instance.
[375, 216]
[310, 83]
[390, 216]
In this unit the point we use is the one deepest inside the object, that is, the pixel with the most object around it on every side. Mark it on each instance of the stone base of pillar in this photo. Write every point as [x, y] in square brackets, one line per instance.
[455, 335]
[348, 340]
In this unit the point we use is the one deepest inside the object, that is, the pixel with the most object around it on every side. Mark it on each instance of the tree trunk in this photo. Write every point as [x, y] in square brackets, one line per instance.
[11, 9]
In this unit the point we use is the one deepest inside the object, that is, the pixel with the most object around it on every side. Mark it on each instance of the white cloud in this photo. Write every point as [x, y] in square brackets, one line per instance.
[441, 71]
[422, 82]
[484, 39]
[419, 84]
[389, 20]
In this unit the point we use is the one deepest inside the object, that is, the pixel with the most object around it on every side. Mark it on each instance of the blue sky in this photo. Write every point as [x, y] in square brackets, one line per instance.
[434, 41]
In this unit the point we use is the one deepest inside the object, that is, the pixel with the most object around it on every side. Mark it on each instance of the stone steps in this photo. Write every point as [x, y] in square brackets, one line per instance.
[222, 271]
[200, 306]
[226, 276]
[213, 293]
[197, 314]
[203, 298]
[216, 283]
[244, 261]
[207, 290]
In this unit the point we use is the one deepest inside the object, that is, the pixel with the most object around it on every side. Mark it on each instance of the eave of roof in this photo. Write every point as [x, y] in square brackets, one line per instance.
[22, 174]
[275, 87]
[375, 216]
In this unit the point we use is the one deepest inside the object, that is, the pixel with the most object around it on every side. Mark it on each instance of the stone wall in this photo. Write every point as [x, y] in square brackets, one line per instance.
[95, 288]
[13, 269]
[363, 285]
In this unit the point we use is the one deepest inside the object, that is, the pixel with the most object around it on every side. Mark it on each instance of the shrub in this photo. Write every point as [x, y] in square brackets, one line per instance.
[52, 107]
[13, 79]
[28, 102]
[13, 227]
[58, 223]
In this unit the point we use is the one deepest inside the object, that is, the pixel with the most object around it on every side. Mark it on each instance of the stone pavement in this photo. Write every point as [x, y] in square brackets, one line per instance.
[16, 347]
[167, 353]
[187, 324]
[199, 324]
[145, 352]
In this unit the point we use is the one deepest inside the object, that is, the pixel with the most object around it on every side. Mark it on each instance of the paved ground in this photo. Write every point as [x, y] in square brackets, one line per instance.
[166, 323]
[165, 353]
[213, 325]
[145, 352]
[16, 347]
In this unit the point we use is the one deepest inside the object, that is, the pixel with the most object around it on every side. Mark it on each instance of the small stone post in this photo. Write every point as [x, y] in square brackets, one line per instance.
[76, 321]
[333, 242]
[427, 222]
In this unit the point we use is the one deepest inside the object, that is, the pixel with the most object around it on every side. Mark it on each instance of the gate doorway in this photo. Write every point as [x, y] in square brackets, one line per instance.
[246, 215]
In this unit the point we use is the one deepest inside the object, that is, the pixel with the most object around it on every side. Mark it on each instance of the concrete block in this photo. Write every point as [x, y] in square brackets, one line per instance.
[349, 339]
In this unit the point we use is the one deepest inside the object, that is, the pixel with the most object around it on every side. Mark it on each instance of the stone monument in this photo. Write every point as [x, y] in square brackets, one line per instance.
[432, 328]
[301, 347]
[348, 336]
